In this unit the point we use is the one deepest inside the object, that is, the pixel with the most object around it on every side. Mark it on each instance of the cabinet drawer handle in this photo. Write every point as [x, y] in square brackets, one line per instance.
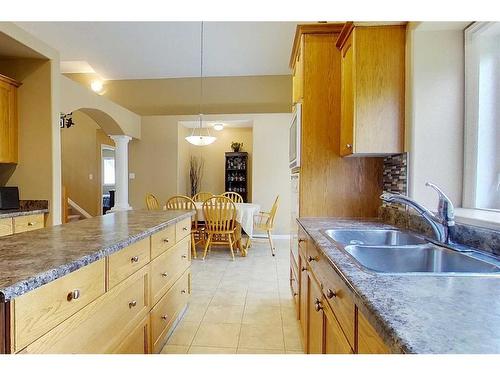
[303, 269]
[166, 240]
[184, 256]
[301, 240]
[164, 274]
[185, 229]
[349, 146]
[317, 305]
[183, 291]
[330, 294]
[134, 259]
[310, 259]
[132, 304]
[164, 317]
[295, 294]
[75, 294]
[31, 223]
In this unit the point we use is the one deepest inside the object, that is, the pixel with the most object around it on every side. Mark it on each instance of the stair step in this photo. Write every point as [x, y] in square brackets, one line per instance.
[74, 217]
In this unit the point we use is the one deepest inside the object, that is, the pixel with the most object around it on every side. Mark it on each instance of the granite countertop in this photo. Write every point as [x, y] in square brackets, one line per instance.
[31, 259]
[5, 214]
[417, 314]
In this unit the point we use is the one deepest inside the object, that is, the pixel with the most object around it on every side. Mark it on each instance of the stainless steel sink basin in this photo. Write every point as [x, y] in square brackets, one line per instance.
[427, 258]
[373, 237]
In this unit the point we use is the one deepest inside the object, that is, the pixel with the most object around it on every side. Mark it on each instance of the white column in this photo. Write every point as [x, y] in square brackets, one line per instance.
[121, 172]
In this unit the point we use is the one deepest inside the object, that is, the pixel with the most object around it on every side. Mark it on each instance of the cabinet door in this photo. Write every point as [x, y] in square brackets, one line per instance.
[8, 123]
[335, 341]
[303, 291]
[315, 318]
[137, 342]
[369, 342]
[347, 95]
[298, 74]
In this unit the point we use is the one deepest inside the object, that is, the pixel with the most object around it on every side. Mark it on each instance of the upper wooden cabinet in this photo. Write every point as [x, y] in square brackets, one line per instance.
[298, 73]
[372, 89]
[8, 119]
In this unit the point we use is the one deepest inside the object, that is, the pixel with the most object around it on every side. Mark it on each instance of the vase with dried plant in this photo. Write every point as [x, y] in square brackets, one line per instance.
[236, 146]
[196, 165]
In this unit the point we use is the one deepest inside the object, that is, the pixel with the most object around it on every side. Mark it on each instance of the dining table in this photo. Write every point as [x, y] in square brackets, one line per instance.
[244, 221]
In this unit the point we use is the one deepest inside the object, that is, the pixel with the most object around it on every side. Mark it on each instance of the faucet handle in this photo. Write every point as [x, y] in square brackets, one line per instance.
[446, 210]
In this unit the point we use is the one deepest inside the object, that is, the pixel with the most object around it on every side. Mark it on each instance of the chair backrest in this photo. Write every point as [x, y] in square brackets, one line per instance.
[272, 213]
[235, 197]
[202, 196]
[181, 202]
[152, 202]
[220, 214]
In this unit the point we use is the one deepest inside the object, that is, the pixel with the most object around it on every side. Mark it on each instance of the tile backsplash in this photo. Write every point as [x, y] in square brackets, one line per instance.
[395, 176]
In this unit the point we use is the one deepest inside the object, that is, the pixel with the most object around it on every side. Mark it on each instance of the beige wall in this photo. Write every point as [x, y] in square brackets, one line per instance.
[81, 149]
[271, 175]
[214, 158]
[435, 107]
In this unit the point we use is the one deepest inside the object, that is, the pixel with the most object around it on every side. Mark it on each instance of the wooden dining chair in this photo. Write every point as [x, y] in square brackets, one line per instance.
[235, 197]
[220, 223]
[152, 202]
[265, 221]
[181, 202]
[202, 196]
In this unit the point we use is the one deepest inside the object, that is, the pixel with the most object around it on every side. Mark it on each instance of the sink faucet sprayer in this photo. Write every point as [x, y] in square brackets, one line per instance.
[440, 222]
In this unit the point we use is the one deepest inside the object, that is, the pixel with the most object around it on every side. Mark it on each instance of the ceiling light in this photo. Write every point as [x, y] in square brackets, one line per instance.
[200, 139]
[97, 86]
[218, 127]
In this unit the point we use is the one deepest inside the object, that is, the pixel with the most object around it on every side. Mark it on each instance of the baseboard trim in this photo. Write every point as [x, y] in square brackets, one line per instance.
[275, 236]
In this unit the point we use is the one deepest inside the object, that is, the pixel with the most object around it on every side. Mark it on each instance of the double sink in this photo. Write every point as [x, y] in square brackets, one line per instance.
[399, 252]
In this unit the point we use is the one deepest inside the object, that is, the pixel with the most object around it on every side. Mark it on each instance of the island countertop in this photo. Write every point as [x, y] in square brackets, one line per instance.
[32, 259]
[417, 314]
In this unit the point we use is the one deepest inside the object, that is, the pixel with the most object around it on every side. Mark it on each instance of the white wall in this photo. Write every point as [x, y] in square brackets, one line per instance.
[435, 112]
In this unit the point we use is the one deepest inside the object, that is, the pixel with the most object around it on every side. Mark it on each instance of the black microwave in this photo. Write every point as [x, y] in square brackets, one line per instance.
[9, 198]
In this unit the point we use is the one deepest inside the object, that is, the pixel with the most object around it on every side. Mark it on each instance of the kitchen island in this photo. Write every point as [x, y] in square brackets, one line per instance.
[112, 283]
[392, 313]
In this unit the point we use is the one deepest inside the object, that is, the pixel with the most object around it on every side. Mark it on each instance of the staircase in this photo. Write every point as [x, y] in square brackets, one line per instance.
[71, 210]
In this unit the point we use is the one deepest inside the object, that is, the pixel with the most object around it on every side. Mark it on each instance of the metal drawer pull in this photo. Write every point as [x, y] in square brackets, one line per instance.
[310, 259]
[184, 257]
[295, 294]
[183, 291]
[317, 305]
[164, 274]
[304, 269]
[185, 229]
[166, 240]
[302, 240]
[31, 223]
[132, 304]
[75, 294]
[330, 294]
[134, 259]
[349, 146]
[164, 317]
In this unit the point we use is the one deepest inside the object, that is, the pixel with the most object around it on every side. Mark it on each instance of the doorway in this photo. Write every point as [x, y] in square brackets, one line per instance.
[107, 178]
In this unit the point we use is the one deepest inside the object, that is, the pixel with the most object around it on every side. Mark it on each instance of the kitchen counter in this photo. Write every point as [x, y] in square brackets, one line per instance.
[32, 259]
[412, 313]
[27, 207]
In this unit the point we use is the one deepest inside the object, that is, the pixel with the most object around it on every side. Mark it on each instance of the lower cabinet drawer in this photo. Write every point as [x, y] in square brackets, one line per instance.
[40, 310]
[167, 309]
[6, 227]
[104, 324]
[138, 341]
[167, 268]
[182, 228]
[28, 222]
[125, 262]
[162, 240]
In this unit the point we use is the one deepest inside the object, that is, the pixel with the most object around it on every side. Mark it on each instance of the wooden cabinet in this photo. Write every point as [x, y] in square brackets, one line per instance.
[8, 120]
[118, 304]
[6, 227]
[28, 223]
[330, 321]
[372, 89]
[298, 73]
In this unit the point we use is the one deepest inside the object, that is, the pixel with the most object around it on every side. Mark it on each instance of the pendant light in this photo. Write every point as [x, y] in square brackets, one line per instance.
[197, 138]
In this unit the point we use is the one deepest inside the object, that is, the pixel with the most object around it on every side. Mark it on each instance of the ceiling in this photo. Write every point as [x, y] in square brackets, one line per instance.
[11, 48]
[152, 50]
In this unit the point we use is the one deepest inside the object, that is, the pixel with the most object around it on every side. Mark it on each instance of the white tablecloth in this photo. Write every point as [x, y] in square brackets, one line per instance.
[244, 215]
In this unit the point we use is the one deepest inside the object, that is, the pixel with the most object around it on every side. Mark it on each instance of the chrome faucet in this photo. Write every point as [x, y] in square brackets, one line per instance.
[439, 222]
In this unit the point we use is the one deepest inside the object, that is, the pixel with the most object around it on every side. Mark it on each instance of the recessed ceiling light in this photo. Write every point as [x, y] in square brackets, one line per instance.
[218, 127]
[97, 86]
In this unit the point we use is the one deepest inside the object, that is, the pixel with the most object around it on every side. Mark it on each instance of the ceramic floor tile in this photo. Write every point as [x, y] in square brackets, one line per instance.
[195, 312]
[175, 349]
[183, 333]
[291, 334]
[210, 350]
[217, 335]
[263, 315]
[222, 297]
[223, 314]
[260, 351]
[262, 299]
[258, 336]
[289, 316]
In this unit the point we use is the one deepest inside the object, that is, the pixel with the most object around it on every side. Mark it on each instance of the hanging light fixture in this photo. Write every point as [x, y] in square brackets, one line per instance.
[197, 138]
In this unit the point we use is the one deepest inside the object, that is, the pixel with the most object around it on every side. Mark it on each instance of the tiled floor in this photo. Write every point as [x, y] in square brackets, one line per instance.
[243, 306]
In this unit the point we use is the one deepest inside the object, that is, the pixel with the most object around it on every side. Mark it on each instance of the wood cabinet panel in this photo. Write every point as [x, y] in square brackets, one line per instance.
[6, 227]
[182, 229]
[167, 268]
[8, 120]
[347, 101]
[303, 299]
[335, 341]
[40, 310]
[138, 341]
[369, 342]
[165, 312]
[28, 223]
[315, 318]
[101, 326]
[125, 262]
[162, 241]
